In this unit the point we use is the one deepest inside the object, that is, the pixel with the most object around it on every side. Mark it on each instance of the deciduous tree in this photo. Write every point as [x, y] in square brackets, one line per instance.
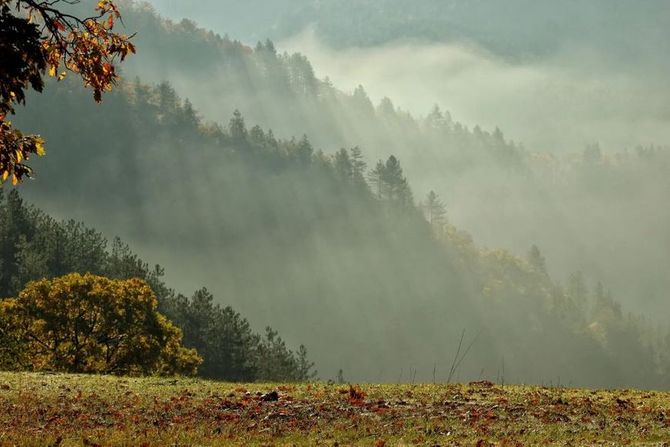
[92, 324]
[40, 38]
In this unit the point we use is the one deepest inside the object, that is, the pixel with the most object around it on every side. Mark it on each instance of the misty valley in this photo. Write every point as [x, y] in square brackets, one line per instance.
[378, 222]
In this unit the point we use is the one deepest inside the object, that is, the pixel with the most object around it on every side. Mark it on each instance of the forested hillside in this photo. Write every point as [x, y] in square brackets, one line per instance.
[34, 246]
[517, 29]
[535, 197]
[221, 75]
[332, 253]
[358, 222]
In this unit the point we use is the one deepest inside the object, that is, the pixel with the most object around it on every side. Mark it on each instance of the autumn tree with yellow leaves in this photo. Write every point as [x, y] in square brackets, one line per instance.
[91, 324]
[39, 38]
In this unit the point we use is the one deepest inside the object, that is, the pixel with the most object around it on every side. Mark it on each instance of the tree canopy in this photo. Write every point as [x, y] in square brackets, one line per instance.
[40, 38]
[92, 324]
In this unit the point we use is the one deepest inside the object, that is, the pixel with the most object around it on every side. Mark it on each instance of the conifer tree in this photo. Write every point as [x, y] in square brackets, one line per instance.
[434, 209]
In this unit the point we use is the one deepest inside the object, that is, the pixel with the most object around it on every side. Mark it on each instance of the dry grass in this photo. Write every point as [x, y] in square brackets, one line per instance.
[44, 409]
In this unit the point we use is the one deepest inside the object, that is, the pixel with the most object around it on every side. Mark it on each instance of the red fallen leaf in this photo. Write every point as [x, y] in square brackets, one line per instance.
[355, 393]
[227, 417]
[380, 443]
[380, 410]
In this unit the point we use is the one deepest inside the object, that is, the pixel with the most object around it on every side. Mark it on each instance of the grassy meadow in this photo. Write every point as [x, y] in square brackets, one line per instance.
[65, 410]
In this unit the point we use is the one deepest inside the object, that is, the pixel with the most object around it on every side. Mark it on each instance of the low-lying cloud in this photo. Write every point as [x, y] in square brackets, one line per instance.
[573, 98]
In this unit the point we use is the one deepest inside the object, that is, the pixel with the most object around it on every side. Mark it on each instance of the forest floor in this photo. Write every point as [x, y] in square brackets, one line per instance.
[54, 409]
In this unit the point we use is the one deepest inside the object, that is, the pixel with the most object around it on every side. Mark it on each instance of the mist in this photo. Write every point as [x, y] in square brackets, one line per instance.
[555, 77]
[561, 102]
[571, 98]
[264, 208]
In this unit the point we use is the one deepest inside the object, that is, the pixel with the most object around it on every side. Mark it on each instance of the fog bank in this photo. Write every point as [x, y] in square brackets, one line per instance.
[561, 103]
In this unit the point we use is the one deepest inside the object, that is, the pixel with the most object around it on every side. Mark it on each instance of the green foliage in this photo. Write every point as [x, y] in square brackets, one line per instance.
[91, 324]
[276, 363]
[231, 350]
[434, 209]
[390, 184]
[34, 246]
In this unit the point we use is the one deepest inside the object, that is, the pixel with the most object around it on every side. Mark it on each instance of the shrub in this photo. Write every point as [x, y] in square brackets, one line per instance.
[91, 324]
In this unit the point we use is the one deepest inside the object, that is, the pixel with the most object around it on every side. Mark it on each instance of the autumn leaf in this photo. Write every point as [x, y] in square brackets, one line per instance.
[86, 46]
[39, 147]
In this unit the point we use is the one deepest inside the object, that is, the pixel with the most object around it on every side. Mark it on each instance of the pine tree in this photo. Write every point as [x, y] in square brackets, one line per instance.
[362, 102]
[434, 209]
[343, 165]
[397, 188]
[358, 167]
[376, 177]
[238, 129]
[578, 291]
[386, 109]
[536, 260]
[16, 225]
[304, 151]
[257, 137]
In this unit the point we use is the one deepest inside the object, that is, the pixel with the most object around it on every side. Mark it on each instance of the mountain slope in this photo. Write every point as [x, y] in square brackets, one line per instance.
[297, 239]
[505, 195]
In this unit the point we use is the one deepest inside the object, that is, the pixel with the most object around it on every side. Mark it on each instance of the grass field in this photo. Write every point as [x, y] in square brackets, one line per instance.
[46, 409]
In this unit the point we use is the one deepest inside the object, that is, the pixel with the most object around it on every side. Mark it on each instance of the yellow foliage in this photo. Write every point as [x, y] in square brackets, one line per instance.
[91, 324]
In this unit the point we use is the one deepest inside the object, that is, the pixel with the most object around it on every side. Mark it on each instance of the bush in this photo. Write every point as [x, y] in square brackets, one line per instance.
[91, 324]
